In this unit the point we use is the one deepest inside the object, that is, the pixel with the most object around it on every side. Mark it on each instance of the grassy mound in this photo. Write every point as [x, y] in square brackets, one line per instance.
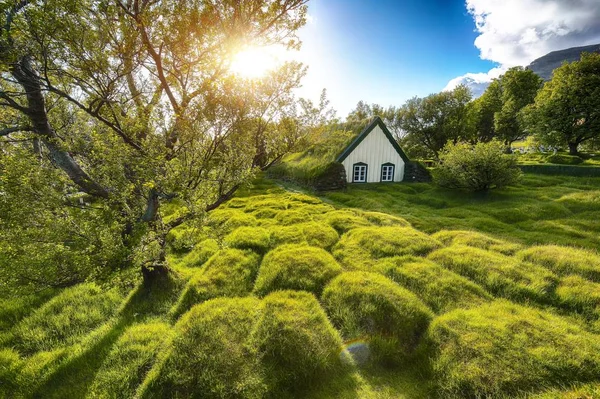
[230, 272]
[565, 260]
[502, 348]
[359, 247]
[313, 234]
[66, 318]
[499, 274]
[477, 240]
[297, 345]
[579, 293]
[227, 220]
[344, 220]
[584, 391]
[297, 267]
[291, 216]
[581, 201]
[369, 305]
[210, 356]
[201, 253]
[254, 238]
[564, 159]
[184, 237]
[383, 219]
[129, 361]
[441, 289]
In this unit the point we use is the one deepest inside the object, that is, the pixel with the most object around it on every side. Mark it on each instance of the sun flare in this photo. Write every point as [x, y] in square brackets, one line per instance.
[254, 62]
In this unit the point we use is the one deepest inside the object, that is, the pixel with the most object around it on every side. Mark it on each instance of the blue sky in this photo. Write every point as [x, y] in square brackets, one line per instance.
[387, 51]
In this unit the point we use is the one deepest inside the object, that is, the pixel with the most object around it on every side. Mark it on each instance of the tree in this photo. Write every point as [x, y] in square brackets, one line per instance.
[134, 103]
[358, 117]
[484, 110]
[430, 122]
[567, 109]
[518, 87]
[478, 167]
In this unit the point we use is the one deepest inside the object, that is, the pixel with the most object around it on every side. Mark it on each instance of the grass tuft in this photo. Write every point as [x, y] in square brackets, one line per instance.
[502, 349]
[441, 289]
[477, 240]
[369, 306]
[565, 260]
[201, 253]
[254, 238]
[297, 267]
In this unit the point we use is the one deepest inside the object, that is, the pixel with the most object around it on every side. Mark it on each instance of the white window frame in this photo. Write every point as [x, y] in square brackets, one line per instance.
[387, 172]
[359, 169]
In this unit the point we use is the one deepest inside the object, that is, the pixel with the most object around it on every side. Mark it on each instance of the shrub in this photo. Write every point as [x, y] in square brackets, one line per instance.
[580, 294]
[296, 343]
[210, 356]
[564, 159]
[501, 275]
[503, 348]
[344, 220]
[66, 318]
[296, 267]
[312, 233]
[230, 272]
[129, 361]
[201, 253]
[254, 238]
[477, 240]
[369, 305]
[478, 167]
[358, 248]
[439, 288]
[565, 260]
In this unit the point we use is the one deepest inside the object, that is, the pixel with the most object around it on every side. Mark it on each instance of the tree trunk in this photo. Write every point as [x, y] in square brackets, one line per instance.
[158, 270]
[573, 148]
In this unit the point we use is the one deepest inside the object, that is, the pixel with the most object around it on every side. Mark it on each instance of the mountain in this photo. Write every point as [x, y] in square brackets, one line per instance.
[544, 66]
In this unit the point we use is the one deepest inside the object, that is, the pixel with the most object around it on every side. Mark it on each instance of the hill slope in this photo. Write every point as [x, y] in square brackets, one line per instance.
[544, 66]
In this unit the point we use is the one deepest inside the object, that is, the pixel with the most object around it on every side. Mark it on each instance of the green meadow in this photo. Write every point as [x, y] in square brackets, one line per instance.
[379, 291]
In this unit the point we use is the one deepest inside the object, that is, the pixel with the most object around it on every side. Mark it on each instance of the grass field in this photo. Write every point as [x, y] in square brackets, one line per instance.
[381, 291]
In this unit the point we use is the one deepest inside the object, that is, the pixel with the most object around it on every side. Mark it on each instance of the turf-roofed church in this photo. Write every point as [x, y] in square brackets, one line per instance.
[374, 156]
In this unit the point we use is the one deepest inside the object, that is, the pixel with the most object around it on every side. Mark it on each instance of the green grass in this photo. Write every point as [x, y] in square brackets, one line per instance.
[439, 288]
[393, 259]
[501, 275]
[361, 247]
[565, 260]
[371, 308]
[296, 267]
[504, 349]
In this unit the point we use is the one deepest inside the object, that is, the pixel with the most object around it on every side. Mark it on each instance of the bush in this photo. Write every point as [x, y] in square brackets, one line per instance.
[439, 288]
[477, 240]
[129, 361]
[210, 356]
[359, 248]
[369, 305]
[296, 343]
[253, 238]
[230, 272]
[478, 167]
[66, 318]
[201, 253]
[564, 159]
[564, 260]
[296, 267]
[503, 349]
[344, 220]
[499, 274]
[313, 234]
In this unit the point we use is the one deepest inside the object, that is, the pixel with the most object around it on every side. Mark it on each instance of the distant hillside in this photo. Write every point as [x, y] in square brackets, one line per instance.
[545, 65]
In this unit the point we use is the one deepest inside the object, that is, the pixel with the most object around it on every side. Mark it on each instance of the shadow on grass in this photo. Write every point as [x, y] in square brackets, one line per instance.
[74, 377]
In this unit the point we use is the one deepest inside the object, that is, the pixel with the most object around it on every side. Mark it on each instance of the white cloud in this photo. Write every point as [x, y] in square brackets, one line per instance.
[516, 32]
